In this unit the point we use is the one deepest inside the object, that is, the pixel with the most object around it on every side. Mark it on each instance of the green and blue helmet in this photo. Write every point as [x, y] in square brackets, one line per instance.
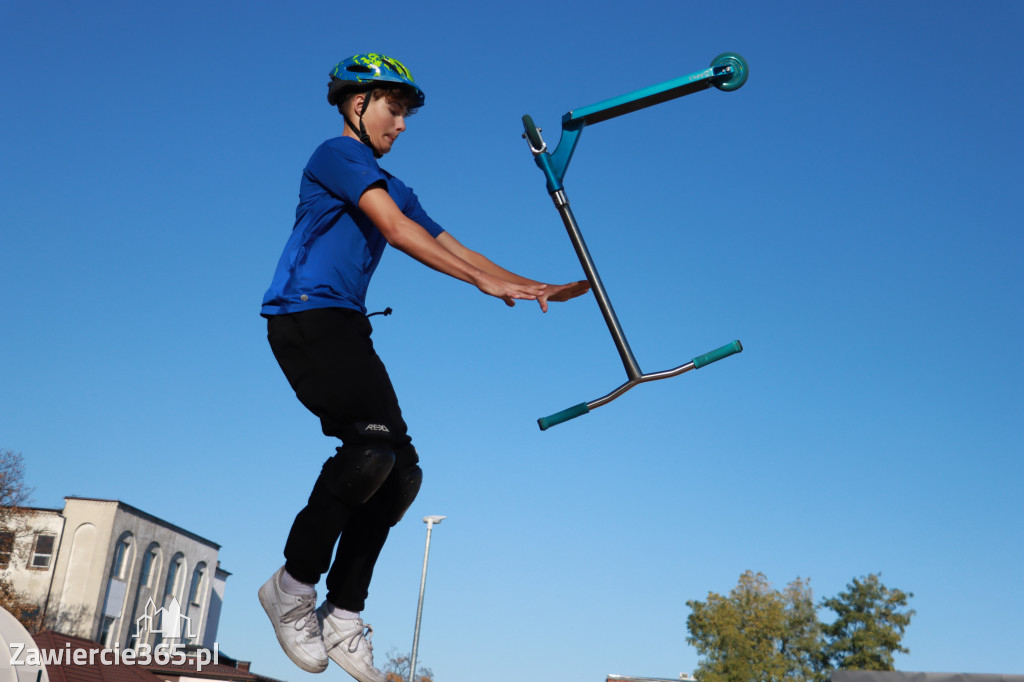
[362, 71]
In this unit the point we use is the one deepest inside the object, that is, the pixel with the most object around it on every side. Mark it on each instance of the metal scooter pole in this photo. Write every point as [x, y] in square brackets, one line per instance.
[596, 285]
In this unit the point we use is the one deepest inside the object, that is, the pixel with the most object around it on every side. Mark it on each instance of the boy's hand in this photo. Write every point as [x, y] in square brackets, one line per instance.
[542, 293]
[509, 291]
[559, 293]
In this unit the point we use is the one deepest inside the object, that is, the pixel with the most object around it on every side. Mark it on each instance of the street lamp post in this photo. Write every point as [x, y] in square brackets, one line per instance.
[430, 521]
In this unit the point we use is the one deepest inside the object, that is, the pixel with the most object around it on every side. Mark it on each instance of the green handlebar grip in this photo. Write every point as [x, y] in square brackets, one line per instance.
[563, 416]
[716, 355]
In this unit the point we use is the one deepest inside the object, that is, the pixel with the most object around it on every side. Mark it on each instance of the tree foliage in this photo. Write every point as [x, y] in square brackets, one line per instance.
[756, 633]
[13, 495]
[759, 634]
[396, 669]
[15, 604]
[869, 625]
[13, 491]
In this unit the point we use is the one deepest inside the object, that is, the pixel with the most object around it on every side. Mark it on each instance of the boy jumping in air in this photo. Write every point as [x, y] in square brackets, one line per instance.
[349, 211]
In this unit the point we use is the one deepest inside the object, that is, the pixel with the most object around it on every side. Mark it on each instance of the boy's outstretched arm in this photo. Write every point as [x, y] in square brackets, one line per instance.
[409, 237]
[552, 292]
[446, 255]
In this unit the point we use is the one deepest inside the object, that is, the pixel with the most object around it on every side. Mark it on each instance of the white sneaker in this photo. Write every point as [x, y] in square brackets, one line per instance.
[295, 624]
[348, 645]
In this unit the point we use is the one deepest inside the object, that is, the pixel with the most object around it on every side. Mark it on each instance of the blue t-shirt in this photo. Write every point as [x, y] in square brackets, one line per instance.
[334, 248]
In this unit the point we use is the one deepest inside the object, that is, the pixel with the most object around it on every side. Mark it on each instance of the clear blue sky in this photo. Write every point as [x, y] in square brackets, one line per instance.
[852, 214]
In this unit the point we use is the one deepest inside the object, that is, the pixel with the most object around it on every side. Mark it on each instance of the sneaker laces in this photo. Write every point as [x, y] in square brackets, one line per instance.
[303, 615]
[362, 635]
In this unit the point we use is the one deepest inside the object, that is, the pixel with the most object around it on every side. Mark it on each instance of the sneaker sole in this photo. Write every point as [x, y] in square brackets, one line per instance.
[308, 666]
[355, 672]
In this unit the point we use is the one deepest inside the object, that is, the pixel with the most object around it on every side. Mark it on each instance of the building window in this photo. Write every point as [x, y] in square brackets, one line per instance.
[120, 567]
[171, 589]
[43, 551]
[105, 627]
[6, 547]
[195, 592]
[148, 561]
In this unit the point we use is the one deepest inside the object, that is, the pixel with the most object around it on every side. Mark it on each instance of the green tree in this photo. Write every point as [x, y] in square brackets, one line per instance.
[869, 625]
[757, 634]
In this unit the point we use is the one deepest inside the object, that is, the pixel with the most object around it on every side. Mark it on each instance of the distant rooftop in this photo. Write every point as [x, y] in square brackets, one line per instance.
[149, 517]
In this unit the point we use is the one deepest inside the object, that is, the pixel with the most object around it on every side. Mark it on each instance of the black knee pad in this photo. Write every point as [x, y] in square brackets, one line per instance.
[406, 486]
[357, 472]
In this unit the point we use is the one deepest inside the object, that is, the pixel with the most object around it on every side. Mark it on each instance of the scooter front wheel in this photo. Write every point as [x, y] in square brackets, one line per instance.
[739, 74]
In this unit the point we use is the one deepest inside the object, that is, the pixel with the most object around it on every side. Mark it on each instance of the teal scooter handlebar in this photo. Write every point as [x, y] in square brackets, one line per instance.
[583, 408]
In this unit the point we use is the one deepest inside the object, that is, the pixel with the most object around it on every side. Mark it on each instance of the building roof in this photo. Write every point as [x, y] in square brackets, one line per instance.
[39, 509]
[149, 517]
[238, 672]
[67, 671]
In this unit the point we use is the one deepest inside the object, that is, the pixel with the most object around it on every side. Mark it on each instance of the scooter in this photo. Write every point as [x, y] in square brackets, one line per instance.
[728, 72]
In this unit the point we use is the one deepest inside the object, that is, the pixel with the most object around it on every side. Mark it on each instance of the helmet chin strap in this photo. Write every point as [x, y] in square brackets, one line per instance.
[364, 137]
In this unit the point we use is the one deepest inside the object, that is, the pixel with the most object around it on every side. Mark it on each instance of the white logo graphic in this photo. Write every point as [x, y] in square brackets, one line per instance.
[167, 622]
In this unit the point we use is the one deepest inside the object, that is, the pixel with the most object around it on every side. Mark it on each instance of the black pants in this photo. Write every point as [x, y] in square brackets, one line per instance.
[329, 360]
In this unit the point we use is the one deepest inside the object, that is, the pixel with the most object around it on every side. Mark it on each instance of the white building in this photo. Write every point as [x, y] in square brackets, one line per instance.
[99, 568]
